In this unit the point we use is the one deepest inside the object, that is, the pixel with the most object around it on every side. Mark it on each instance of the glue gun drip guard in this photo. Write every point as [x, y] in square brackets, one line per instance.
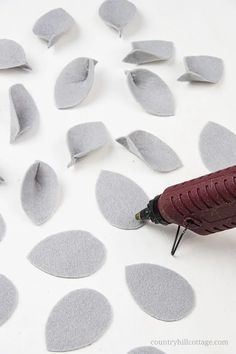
[204, 205]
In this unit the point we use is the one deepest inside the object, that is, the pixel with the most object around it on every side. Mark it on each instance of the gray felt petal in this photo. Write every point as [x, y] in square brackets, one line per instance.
[40, 192]
[70, 254]
[12, 55]
[119, 199]
[153, 151]
[203, 68]
[145, 350]
[160, 292]
[217, 146]
[85, 138]
[149, 51]
[78, 320]
[117, 13]
[2, 227]
[151, 92]
[51, 26]
[8, 299]
[74, 82]
[24, 112]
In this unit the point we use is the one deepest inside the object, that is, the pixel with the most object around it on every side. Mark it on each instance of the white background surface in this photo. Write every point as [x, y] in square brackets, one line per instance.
[196, 27]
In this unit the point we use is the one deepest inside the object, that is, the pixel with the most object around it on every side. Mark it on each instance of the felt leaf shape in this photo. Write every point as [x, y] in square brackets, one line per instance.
[217, 146]
[8, 299]
[74, 82]
[203, 68]
[119, 199]
[24, 112]
[12, 55]
[85, 138]
[145, 350]
[151, 92]
[153, 151]
[51, 26]
[144, 52]
[2, 227]
[159, 291]
[70, 254]
[40, 192]
[78, 320]
[117, 13]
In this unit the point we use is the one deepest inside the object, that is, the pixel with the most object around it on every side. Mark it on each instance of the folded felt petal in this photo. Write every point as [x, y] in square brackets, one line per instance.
[12, 55]
[203, 68]
[153, 151]
[149, 51]
[74, 82]
[151, 92]
[117, 13]
[85, 138]
[52, 25]
[24, 112]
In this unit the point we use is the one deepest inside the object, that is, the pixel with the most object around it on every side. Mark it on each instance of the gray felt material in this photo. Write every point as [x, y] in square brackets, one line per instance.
[153, 151]
[2, 227]
[74, 82]
[217, 146]
[51, 26]
[8, 299]
[151, 92]
[119, 199]
[117, 13]
[78, 320]
[85, 138]
[144, 52]
[12, 55]
[145, 350]
[69, 254]
[40, 192]
[24, 112]
[160, 292]
[203, 68]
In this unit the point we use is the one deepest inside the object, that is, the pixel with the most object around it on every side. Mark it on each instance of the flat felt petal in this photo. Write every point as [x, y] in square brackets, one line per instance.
[119, 199]
[8, 299]
[145, 350]
[217, 146]
[69, 254]
[160, 292]
[2, 227]
[78, 320]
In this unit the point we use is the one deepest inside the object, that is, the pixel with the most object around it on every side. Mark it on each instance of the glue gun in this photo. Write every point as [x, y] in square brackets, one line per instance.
[204, 205]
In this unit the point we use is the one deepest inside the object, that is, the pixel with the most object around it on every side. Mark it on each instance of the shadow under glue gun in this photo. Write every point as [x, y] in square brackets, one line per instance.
[204, 205]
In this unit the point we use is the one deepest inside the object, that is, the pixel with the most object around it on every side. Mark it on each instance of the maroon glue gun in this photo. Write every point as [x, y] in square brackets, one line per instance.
[204, 205]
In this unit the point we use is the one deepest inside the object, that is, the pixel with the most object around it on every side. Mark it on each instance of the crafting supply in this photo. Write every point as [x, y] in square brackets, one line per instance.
[204, 205]
[12, 55]
[145, 350]
[8, 298]
[78, 320]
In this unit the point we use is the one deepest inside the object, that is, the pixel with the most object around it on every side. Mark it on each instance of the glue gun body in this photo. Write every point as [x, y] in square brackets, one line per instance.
[204, 205]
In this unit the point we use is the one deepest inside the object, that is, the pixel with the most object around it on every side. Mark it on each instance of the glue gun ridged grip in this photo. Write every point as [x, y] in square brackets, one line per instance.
[205, 205]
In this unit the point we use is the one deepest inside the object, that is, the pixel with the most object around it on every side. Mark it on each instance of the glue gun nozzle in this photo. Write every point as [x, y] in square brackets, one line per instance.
[143, 215]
